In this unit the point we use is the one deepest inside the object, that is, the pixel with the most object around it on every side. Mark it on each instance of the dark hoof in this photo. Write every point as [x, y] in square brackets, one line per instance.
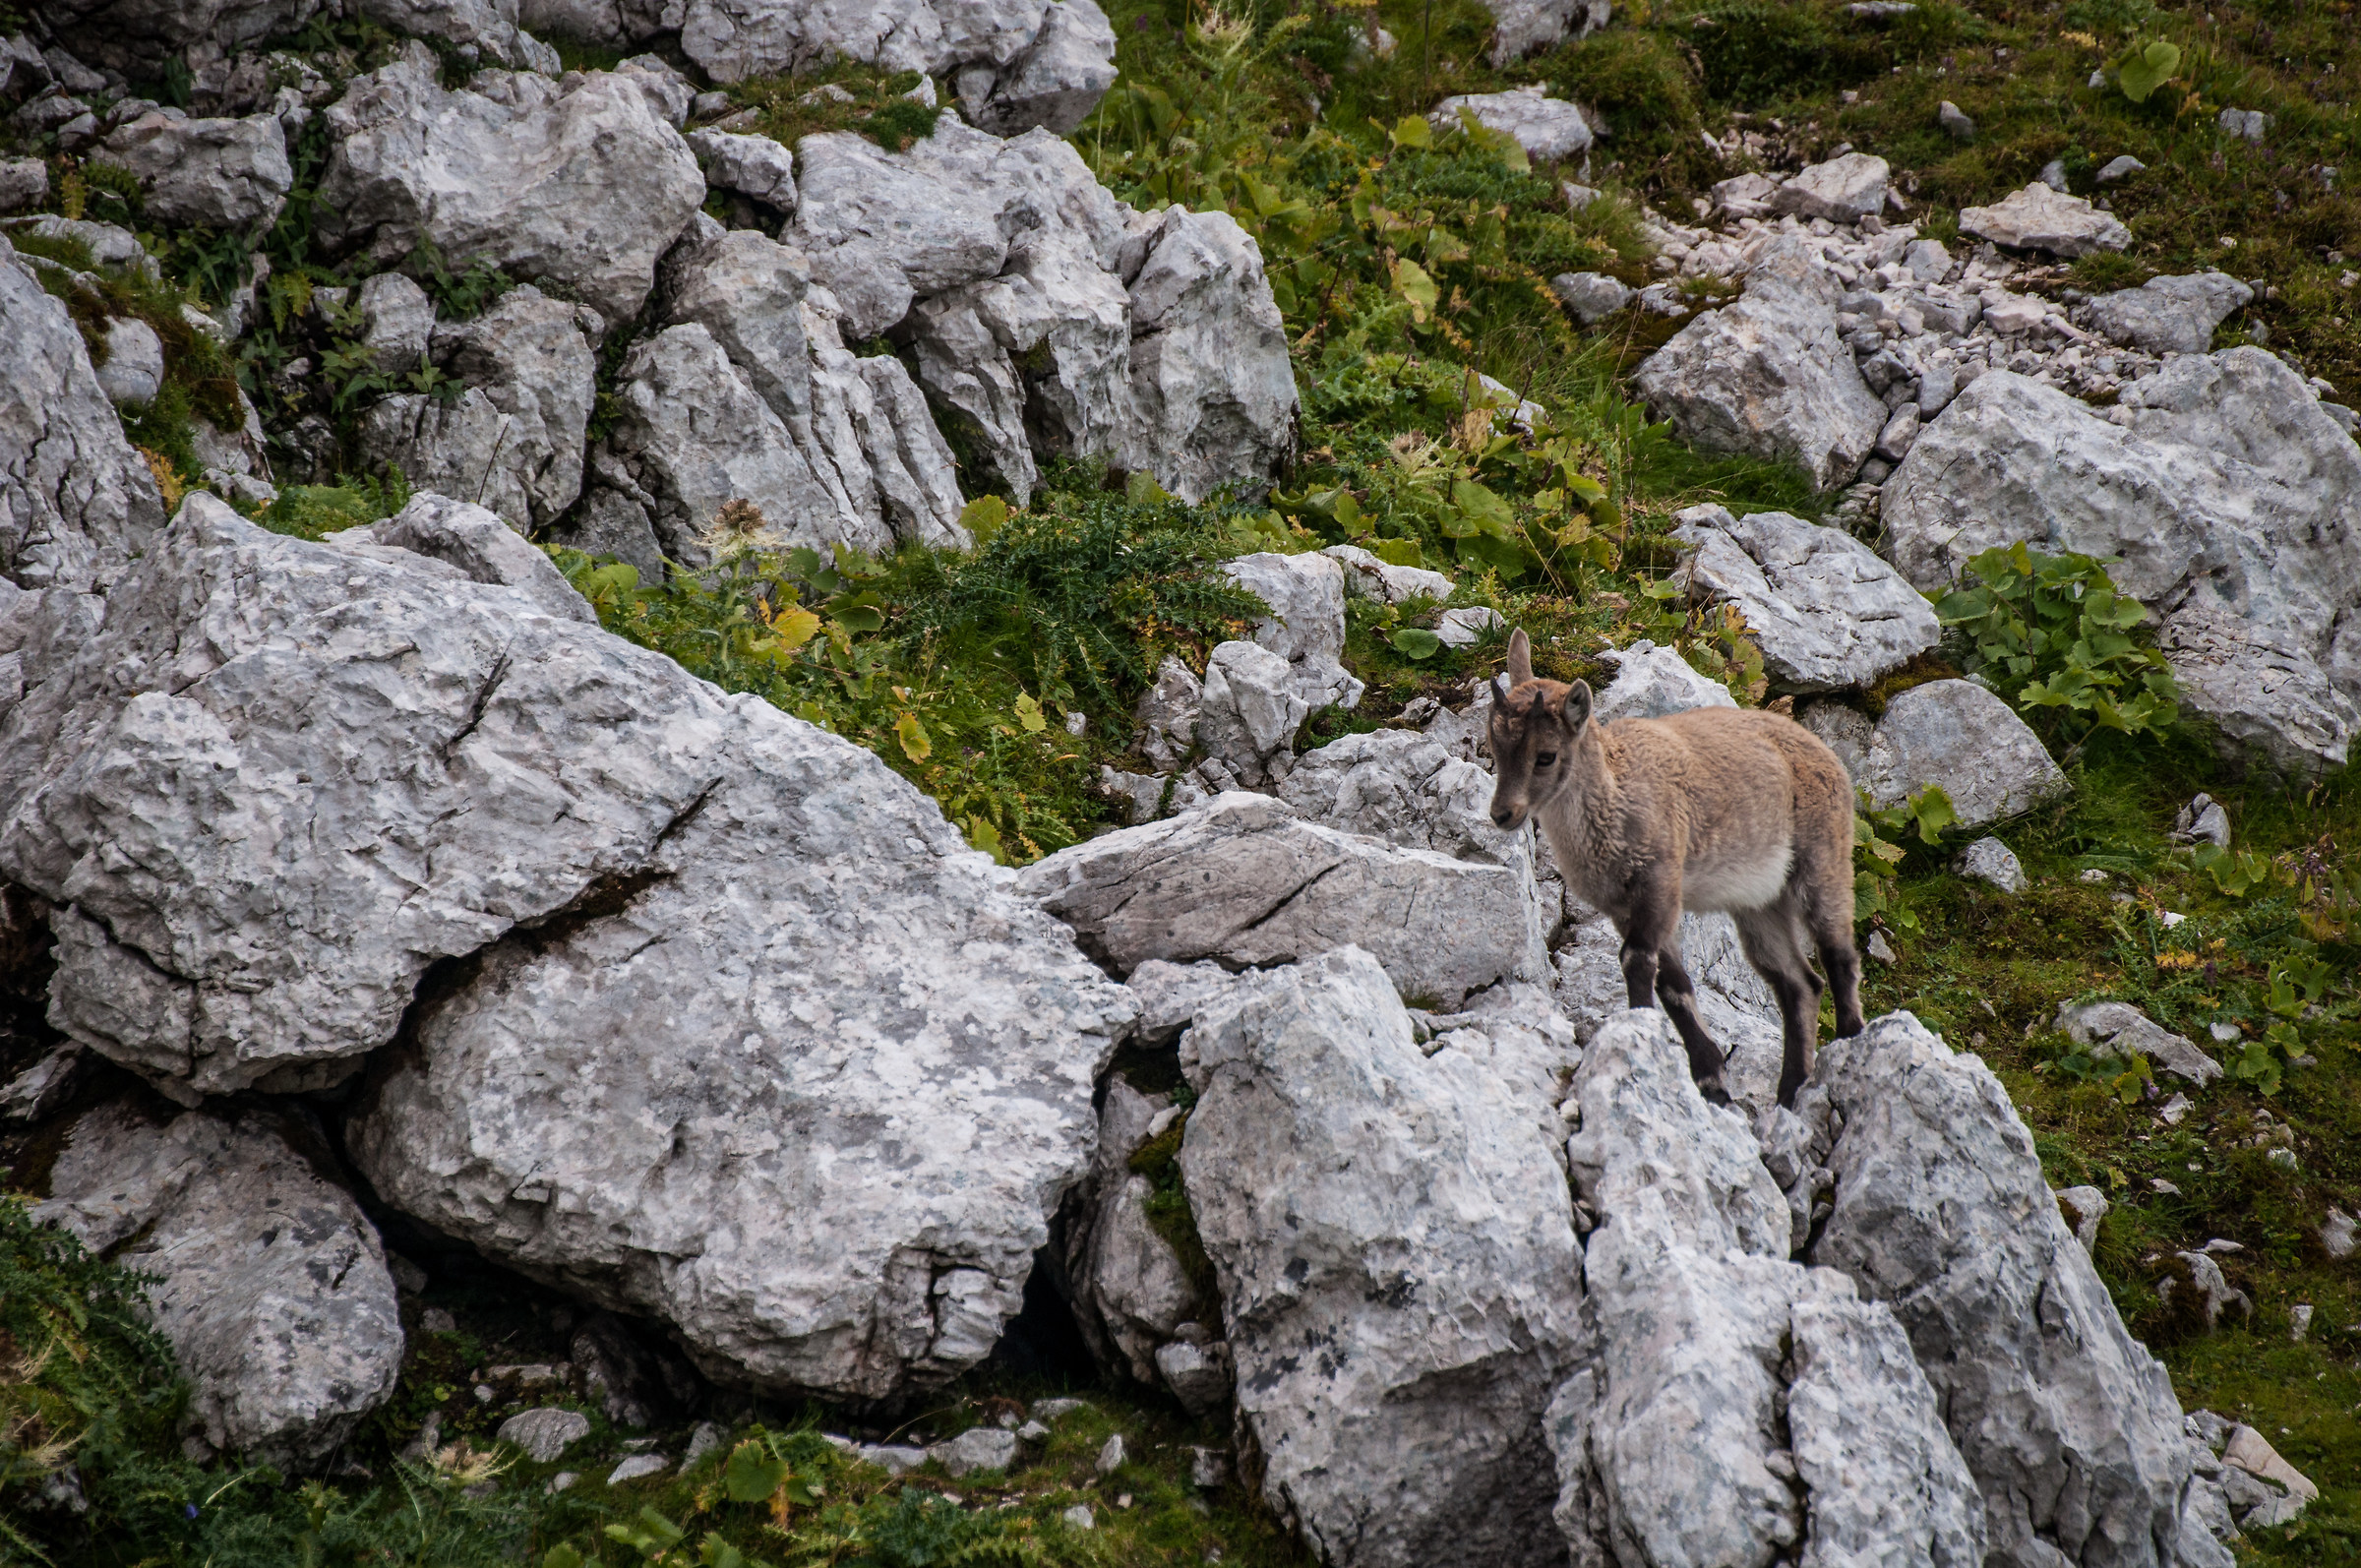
[1787, 1093]
[1715, 1091]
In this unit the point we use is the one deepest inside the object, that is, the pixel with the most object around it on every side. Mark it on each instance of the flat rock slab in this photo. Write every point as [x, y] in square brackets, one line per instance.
[272, 1287]
[1393, 1239]
[1825, 611]
[2040, 219]
[1248, 881]
[2117, 1029]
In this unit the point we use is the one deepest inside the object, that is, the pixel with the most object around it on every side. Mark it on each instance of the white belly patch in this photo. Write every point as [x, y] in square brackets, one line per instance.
[1734, 883]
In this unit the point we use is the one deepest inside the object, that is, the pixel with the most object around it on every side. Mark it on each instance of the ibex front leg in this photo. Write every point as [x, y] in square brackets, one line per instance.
[1653, 975]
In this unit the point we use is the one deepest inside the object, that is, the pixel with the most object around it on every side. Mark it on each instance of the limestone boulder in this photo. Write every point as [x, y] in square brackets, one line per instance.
[2224, 493]
[487, 29]
[1960, 737]
[1248, 710]
[1729, 1406]
[754, 166]
[1393, 1241]
[1548, 129]
[1530, 26]
[514, 439]
[1369, 578]
[1306, 624]
[218, 174]
[1825, 611]
[77, 502]
[1131, 1292]
[1248, 881]
[1651, 681]
[1770, 377]
[1941, 1212]
[2042, 218]
[2118, 1029]
[2170, 315]
[1210, 376]
[1842, 190]
[1016, 64]
[271, 1283]
[137, 36]
[672, 1093]
[581, 183]
[483, 548]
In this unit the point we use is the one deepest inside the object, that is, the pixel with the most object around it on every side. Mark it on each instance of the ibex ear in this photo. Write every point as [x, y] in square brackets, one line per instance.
[1573, 710]
[1520, 658]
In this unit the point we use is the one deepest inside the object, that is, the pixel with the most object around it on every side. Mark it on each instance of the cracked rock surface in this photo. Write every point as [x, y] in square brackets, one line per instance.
[1393, 1241]
[772, 1057]
[1940, 1211]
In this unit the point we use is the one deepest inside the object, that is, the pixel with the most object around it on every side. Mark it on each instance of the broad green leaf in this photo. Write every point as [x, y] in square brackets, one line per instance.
[983, 516]
[752, 1474]
[981, 834]
[1415, 643]
[715, 1552]
[858, 617]
[1484, 507]
[561, 1556]
[1028, 713]
[1412, 284]
[1411, 130]
[2143, 71]
[913, 736]
[1141, 489]
[1398, 552]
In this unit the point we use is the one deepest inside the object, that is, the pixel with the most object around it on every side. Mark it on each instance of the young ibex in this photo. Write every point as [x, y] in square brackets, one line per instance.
[1726, 808]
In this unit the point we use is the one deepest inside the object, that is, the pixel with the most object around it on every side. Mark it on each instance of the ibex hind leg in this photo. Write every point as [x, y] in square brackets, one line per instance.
[1772, 938]
[1829, 920]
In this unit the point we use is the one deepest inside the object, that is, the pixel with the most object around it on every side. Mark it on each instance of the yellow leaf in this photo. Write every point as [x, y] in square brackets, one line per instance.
[913, 735]
[1028, 713]
[793, 627]
[1412, 131]
[981, 834]
[982, 517]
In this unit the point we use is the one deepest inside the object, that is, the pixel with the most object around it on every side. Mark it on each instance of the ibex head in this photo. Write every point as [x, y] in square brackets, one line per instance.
[1536, 727]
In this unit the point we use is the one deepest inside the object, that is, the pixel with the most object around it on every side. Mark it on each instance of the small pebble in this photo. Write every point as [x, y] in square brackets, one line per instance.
[560, 1482]
[2299, 1321]
[1111, 1456]
[1080, 1517]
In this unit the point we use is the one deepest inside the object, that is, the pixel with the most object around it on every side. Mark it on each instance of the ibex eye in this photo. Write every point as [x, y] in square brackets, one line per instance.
[1545, 760]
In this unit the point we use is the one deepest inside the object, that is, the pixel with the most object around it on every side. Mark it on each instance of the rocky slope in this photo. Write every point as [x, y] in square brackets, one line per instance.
[368, 887]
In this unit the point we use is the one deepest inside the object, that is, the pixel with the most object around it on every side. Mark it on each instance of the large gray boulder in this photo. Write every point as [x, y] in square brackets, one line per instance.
[1941, 1211]
[486, 27]
[1825, 611]
[693, 436]
[76, 502]
[2226, 497]
[137, 36]
[1046, 315]
[231, 174]
[271, 1285]
[1729, 1406]
[513, 438]
[2170, 315]
[1393, 1239]
[1530, 26]
[579, 183]
[1770, 377]
[483, 548]
[1547, 128]
[1247, 881]
[659, 1075]
[1958, 736]
[1209, 369]
[1016, 64]
[1305, 626]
